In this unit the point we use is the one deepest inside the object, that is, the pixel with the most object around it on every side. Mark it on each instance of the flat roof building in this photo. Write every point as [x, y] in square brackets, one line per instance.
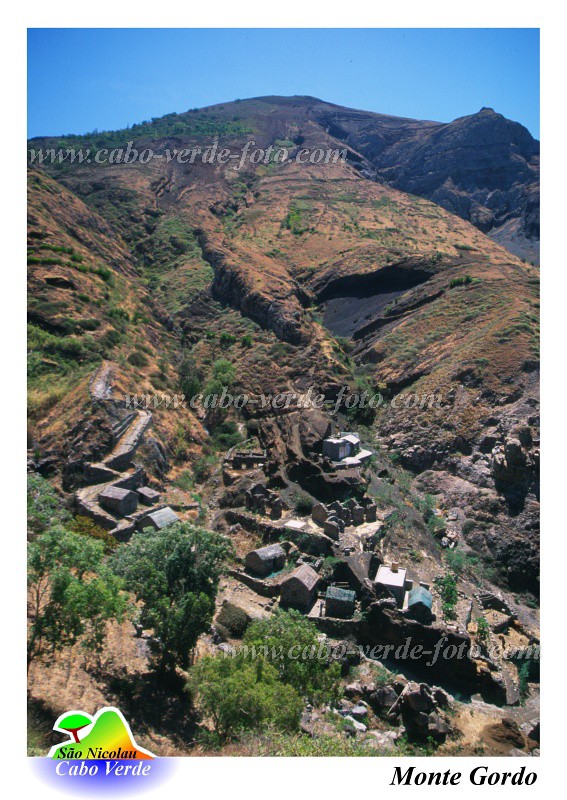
[345, 450]
[393, 579]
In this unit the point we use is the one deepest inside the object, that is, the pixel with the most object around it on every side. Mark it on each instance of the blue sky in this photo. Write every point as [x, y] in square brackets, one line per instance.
[81, 79]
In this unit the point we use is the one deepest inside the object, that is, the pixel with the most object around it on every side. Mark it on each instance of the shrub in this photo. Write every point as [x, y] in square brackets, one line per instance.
[84, 526]
[246, 340]
[463, 281]
[523, 679]
[190, 377]
[226, 434]
[137, 359]
[234, 619]
[281, 638]
[104, 273]
[303, 504]
[224, 372]
[483, 629]
[447, 586]
[45, 507]
[227, 339]
[241, 695]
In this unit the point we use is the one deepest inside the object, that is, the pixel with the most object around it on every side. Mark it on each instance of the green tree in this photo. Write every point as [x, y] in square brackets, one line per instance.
[237, 694]
[45, 507]
[190, 377]
[71, 593]
[174, 573]
[483, 629]
[290, 642]
[447, 585]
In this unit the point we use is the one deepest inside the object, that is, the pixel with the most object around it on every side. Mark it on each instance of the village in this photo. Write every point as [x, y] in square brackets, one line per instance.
[332, 561]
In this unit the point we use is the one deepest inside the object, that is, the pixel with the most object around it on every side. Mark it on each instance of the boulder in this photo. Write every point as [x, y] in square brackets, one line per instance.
[437, 727]
[353, 690]
[533, 733]
[358, 516]
[383, 698]
[418, 697]
[332, 529]
[319, 513]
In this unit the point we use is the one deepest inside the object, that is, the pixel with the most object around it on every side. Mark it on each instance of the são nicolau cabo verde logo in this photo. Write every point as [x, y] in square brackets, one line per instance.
[107, 735]
[100, 749]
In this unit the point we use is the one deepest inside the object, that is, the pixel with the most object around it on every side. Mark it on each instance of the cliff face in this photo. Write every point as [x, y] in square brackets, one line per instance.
[318, 275]
[483, 167]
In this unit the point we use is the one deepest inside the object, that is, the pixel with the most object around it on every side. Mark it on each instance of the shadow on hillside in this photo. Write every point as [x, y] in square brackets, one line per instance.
[152, 701]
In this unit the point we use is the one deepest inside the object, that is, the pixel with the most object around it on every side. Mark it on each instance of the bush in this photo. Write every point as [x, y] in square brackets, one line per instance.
[87, 527]
[234, 619]
[104, 273]
[464, 281]
[289, 639]
[137, 359]
[224, 372]
[241, 695]
[483, 629]
[226, 339]
[190, 377]
[447, 586]
[303, 504]
[226, 434]
[246, 340]
[459, 561]
[45, 507]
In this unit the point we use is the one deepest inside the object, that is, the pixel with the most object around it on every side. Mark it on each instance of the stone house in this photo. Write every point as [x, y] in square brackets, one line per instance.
[159, 519]
[339, 602]
[264, 501]
[147, 496]
[120, 502]
[266, 560]
[299, 589]
[249, 459]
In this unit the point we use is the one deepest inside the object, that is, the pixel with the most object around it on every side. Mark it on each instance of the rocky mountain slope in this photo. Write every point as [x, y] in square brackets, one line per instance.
[318, 275]
[482, 167]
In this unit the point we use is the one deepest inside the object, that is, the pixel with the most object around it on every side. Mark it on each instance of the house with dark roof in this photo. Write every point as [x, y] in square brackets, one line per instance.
[266, 560]
[159, 519]
[299, 589]
[118, 501]
[339, 602]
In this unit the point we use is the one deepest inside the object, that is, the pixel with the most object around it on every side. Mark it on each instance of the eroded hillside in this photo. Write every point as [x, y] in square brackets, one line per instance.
[166, 279]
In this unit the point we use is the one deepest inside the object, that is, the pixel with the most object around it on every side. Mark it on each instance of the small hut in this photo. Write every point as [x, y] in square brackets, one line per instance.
[266, 560]
[118, 501]
[299, 589]
[420, 603]
[147, 496]
[159, 519]
[339, 602]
